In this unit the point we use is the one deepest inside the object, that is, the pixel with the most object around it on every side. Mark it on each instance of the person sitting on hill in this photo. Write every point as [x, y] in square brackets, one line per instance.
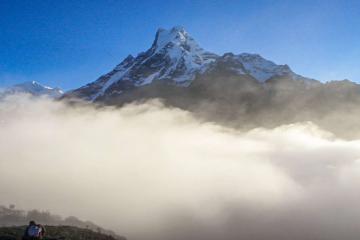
[34, 231]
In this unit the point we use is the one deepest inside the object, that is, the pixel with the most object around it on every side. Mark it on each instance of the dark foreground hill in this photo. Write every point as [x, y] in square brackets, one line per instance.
[58, 233]
[11, 216]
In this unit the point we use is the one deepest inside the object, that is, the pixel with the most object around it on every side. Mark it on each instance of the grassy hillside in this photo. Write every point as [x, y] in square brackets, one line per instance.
[58, 232]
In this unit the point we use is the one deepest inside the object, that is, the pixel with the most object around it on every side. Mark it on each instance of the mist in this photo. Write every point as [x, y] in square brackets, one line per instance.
[152, 172]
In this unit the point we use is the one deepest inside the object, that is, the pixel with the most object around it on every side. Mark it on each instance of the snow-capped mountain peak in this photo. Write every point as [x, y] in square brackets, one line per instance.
[176, 58]
[35, 89]
[176, 36]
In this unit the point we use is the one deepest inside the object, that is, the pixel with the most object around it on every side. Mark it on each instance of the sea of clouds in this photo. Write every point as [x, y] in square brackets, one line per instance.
[151, 172]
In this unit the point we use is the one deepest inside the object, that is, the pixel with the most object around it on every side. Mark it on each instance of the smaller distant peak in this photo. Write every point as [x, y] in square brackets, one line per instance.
[35, 88]
[33, 84]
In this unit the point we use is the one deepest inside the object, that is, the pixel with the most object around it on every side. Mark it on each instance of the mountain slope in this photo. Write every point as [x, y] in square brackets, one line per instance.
[33, 88]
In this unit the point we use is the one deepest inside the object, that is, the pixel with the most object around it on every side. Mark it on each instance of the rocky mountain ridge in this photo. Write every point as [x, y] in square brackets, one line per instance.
[176, 58]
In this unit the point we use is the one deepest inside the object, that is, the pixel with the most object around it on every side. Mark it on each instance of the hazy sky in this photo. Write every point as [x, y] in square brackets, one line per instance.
[70, 43]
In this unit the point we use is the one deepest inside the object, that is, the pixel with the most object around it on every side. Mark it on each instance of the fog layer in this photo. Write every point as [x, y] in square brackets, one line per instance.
[150, 172]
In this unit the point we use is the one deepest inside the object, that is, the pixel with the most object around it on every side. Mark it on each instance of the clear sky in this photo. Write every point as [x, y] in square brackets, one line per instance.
[69, 43]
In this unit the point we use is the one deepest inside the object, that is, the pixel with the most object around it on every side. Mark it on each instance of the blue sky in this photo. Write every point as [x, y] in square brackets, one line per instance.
[69, 43]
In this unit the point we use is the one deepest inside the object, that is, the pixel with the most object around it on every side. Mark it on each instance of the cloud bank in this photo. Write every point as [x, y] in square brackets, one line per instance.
[150, 172]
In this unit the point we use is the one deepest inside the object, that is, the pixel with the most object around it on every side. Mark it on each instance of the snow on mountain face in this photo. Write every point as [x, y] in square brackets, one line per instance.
[258, 67]
[186, 56]
[176, 58]
[262, 69]
[35, 89]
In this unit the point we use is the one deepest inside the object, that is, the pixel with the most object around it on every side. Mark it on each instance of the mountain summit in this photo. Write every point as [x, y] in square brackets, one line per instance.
[176, 58]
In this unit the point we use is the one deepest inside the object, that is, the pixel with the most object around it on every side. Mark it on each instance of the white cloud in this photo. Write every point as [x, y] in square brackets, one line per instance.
[152, 172]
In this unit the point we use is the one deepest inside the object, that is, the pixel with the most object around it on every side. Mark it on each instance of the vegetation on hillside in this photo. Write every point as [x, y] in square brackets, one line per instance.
[58, 233]
[10, 216]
